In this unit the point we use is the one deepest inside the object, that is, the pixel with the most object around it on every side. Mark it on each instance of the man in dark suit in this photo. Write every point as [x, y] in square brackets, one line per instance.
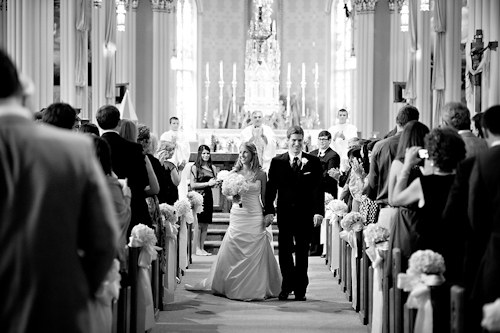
[58, 232]
[329, 159]
[297, 179]
[128, 161]
[484, 212]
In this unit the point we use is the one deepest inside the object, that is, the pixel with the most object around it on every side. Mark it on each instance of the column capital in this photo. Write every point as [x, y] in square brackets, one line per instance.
[3, 4]
[162, 5]
[395, 4]
[365, 6]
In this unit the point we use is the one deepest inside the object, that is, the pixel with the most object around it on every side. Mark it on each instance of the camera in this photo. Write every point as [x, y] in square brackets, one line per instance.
[423, 153]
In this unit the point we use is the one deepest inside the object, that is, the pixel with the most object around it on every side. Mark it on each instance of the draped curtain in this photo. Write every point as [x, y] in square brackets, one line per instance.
[411, 83]
[438, 74]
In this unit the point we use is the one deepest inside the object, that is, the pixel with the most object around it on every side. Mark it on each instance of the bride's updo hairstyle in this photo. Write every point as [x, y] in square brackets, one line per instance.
[254, 163]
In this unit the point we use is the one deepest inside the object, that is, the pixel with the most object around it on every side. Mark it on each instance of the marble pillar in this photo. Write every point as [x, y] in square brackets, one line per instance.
[453, 64]
[494, 28]
[423, 87]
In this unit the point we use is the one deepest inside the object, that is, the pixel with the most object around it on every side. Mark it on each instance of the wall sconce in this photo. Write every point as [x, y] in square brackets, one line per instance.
[424, 5]
[120, 15]
[405, 16]
[97, 3]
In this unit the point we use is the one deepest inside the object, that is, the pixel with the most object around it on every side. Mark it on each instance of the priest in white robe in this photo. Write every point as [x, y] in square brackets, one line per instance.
[342, 132]
[263, 137]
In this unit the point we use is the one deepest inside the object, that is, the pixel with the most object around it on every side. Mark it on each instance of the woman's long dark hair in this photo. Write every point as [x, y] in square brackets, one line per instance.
[413, 135]
[199, 161]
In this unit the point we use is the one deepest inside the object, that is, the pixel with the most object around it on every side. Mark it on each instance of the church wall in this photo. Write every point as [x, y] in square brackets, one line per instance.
[382, 84]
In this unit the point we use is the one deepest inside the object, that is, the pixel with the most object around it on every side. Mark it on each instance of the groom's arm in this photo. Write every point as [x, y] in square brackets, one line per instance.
[272, 188]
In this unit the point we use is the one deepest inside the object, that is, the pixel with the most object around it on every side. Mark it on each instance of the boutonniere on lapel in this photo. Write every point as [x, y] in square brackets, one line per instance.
[304, 162]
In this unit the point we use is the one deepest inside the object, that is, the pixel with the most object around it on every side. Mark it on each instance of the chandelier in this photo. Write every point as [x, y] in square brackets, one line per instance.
[261, 26]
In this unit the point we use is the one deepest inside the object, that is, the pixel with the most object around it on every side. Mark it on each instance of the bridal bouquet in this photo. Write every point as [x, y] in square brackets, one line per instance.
[196, 201]
[222, 175]
[375, 234]
[337, 207]
[183, 207]
[328, 198]
[234, 185]
[352, 221]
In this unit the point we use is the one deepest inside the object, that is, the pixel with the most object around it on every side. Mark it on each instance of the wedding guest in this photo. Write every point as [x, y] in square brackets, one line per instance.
[341, 134]
[263, 137]
[329, 159]
[484, 211]
[383, 154]
[60, 115]
[127, 162]
[128, 130]
[476, 125]
[203, 178]
[367, 207]
[457, 116]
[59, 233]
[89, 128]
[445, 148]
[169, 194]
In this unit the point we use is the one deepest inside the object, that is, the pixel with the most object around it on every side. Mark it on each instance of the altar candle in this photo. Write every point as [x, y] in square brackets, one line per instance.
[274, 26]
[234, 71]
[221, 71]
[316, 71]
[303, 71]
[208, 71]
[289, 70]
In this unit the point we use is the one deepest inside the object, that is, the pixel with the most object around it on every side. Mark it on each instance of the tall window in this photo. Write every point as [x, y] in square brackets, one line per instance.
[186, 95]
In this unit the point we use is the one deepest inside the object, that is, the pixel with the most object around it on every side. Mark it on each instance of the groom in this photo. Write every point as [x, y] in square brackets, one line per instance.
[297, 178]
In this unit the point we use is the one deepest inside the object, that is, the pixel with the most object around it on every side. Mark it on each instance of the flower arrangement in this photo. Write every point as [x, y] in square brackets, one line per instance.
[337, 207]
[196, 200]
[168, 213]
[352, 221]
[375, 234]
[183, 207]
[234, 185]
[426, 262]
[142, 235]
[222, 175]
[328, 198]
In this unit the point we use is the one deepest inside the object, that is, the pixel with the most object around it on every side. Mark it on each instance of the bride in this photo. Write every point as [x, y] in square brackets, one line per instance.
[245, 267]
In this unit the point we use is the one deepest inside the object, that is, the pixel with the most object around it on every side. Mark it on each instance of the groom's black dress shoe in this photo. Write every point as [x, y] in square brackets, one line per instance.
[283, 296]
[300, 298]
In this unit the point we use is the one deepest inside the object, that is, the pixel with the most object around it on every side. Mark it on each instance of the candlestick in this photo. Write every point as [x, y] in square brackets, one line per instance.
[221, 70]
[234, 71]
[208, 71]
[316, 71]
[289, 70]
[303, 71]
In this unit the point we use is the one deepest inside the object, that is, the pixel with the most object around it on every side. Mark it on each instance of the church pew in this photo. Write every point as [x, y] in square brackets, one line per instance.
[409, 316]
[328, 259]
[348, 276]
[364, 294]
[457, 309]
[340, 271]
[396, 294]
[370, 296]
[122, 322]
[133, 272]
[190, 238]
[359, 252]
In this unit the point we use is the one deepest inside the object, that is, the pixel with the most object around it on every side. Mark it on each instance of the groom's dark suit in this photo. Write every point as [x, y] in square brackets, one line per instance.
[300, 196]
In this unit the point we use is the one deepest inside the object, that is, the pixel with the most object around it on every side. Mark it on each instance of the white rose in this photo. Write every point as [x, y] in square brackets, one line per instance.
[304, 162]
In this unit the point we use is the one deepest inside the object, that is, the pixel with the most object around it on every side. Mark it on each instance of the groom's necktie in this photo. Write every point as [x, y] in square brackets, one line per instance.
[295, 164]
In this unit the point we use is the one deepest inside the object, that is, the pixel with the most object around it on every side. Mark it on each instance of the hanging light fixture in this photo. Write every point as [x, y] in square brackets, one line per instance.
[405, 16]
[120, 15]
[424, 5]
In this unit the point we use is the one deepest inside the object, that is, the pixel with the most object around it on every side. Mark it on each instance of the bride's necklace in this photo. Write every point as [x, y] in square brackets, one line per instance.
[249, 175]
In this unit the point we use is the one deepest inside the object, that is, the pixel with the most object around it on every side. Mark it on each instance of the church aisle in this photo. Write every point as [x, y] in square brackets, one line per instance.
[326, 308]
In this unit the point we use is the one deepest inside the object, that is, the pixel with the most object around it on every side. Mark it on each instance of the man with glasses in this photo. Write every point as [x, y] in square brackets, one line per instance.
[329, 159]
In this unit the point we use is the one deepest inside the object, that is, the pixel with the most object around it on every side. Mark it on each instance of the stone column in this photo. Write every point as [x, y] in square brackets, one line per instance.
[364, 36]
[453, 64]
[485, 26]
[68, 52]
[30, 44]
[423, 100]
[131, 31]
[494, 28]
[3, 24]
[99, 53]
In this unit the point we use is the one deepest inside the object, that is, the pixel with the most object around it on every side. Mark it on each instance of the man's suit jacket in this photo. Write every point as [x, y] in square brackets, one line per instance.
[128, 162]
[329, 160]
[484, 214]
[300, 195]
[473, 144]
[58, 232]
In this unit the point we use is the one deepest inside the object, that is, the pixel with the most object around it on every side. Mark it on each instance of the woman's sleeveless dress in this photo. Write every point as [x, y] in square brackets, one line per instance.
[245, 267]
[203, 176]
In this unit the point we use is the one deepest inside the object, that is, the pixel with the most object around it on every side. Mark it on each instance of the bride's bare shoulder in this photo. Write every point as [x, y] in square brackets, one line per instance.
[261, 175]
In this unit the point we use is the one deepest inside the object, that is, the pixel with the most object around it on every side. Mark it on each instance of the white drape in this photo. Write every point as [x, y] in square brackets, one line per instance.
[438, 74]
[411, 82]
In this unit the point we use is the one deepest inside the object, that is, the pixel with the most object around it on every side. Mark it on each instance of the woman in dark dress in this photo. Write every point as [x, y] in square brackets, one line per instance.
[168, 192]
[445, 148]
[203, 178]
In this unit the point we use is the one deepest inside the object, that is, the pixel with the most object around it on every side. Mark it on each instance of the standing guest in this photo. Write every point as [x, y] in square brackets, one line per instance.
[203, 178]
[128, 130]
[476, 125]
[329, 159]
[457, 116]
[89, 128]
[342, 133]
[367, 207]
[484, 212]
[297, 179]
[59, 233]
[383, 154]
[168, 194]
[263, 137]
[61, 115]
[127, 162]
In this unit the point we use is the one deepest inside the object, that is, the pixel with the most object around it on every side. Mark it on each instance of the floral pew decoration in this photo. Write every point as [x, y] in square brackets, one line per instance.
[325, 223]
[196, 201]
[351, 224]
[426, 269]
[169, 219]
[491, 316]
[233, 186]
[377, 244]
[183, 208]
[335, 210]
[143, 236]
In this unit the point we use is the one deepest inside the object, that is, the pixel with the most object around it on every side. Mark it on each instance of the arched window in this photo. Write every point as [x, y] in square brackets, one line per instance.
[186, 95]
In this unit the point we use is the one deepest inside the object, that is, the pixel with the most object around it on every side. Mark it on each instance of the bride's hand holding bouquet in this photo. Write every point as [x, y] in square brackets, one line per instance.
[234, 185]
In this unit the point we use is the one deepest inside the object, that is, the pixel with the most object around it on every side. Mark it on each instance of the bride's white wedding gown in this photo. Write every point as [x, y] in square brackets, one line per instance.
[245, 267]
